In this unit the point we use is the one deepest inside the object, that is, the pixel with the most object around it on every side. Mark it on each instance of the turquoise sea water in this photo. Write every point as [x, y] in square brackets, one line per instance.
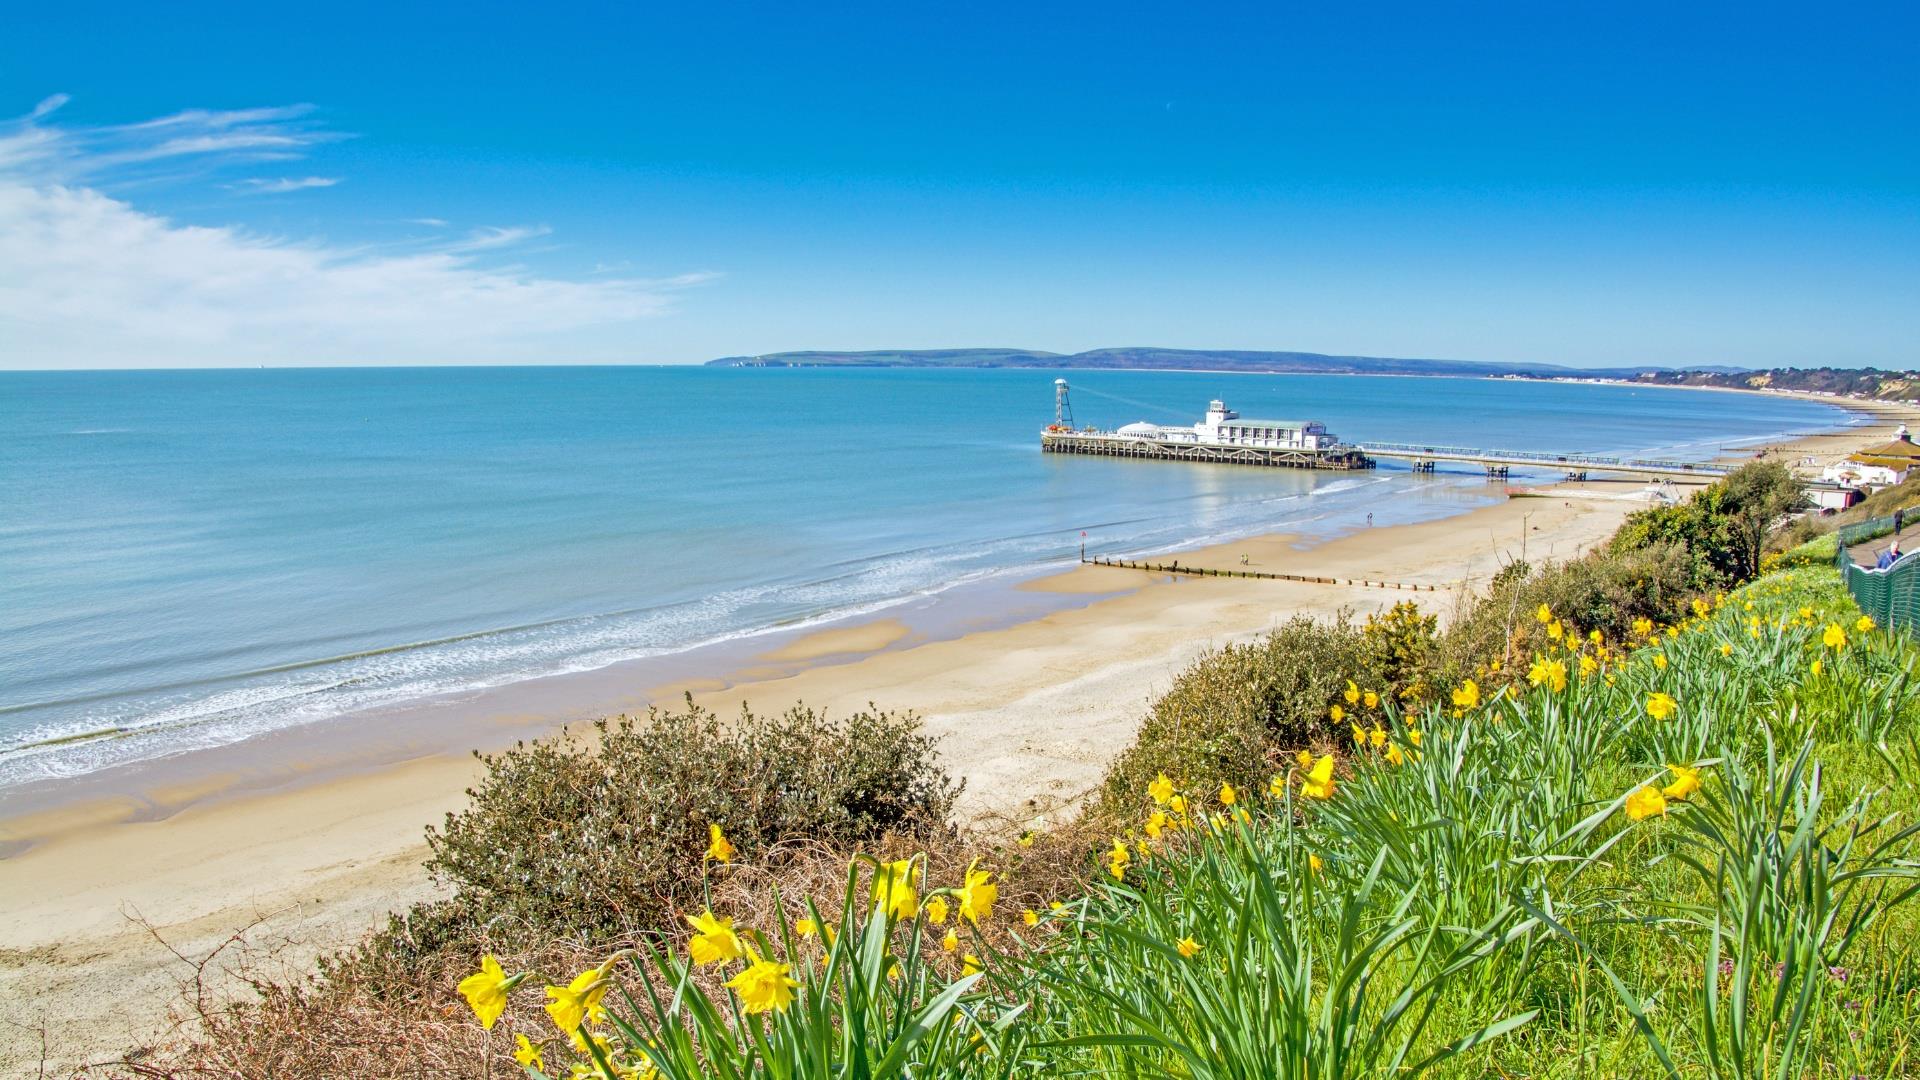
[188, 558]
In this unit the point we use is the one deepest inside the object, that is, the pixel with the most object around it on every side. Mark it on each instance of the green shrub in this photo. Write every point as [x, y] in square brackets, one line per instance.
[1724, 528]
[1226, 718]
[602, 838]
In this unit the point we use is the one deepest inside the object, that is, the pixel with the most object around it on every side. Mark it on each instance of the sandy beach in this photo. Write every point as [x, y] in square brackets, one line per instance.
[1028, 713]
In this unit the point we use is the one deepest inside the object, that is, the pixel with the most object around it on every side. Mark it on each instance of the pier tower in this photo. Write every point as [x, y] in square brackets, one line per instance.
[1062, 408]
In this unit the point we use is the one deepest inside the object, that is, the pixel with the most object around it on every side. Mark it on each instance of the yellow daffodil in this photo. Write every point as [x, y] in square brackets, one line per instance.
[1394, 755]
[1466, 695]
[1359, 735]
[1030, 917]
[1337, 713]
[1815, 668]
[1660, 660]
[1413, 736]
[1588, 665]
[1700, 607]
[1303, 758]
[526, 1054]
[1026, 838]
[1319, 783]
[1161, 789]
[1548, 673]
[1554, 630]
[573, 1004]
[486, 991]
[1544, 615]
[894, 890]
[977, 893]
[714, 941]
[1118, 860]
[1806, 613]
[1228, 796]
[1834, 637]
[1686, 781]
[1177, 804]
[1660, 705]
[1645, 802]
[1156, 823]
[717, 847]
[1277, 786]
[936, 909]
[970, 965]
[1314, 863]
[1370, 699]
[951, 941]
[806, 927]
[1188, 947]
[763, 987]
[1726, 649]
[1595, 636]
[1352, 693]
[1863, 624]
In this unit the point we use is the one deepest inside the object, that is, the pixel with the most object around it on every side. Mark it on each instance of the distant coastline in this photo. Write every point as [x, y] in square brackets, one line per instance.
[1823, 383]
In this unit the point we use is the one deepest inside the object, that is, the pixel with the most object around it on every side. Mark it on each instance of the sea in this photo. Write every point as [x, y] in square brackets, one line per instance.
[189, 559]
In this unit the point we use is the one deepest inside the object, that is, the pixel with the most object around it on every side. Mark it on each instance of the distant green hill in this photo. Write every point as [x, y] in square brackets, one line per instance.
[1856, 382]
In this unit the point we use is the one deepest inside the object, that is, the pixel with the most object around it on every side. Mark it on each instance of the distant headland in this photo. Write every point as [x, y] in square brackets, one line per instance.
[1859, 383]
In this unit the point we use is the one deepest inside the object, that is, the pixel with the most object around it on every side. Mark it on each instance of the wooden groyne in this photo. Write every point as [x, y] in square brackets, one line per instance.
[1202, 571]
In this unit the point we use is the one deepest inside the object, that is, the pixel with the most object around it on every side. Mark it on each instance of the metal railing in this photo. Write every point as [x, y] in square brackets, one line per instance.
[1891, 596]
[1595, 461]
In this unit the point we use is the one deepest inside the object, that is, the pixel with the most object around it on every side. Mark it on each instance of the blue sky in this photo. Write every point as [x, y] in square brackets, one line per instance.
[1624, 184]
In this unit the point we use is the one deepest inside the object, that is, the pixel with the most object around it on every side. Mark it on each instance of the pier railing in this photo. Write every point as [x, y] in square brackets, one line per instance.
[1531, 457]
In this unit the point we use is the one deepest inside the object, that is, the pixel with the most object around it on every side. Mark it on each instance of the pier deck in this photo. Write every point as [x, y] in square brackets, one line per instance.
[1497, 462]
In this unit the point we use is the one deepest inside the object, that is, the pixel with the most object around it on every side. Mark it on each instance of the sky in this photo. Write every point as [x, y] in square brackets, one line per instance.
[1618, 184]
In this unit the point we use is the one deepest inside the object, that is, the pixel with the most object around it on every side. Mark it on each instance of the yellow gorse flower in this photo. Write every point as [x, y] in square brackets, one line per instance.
[717, 847]
[1660, 705]
[1318, 783]
[1188, 947]
[978, 893]
[894, 891]
[486, 991]
[763, 987]
[714, 941]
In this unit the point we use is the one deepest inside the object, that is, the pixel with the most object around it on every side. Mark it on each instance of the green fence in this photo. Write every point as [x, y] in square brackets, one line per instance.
[1891, 596]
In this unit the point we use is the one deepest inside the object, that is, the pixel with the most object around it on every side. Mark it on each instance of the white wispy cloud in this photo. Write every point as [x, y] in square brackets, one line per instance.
[87, 278]
[259, 185]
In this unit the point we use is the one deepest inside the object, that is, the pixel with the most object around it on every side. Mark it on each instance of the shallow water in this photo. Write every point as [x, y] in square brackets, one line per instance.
[191, 557]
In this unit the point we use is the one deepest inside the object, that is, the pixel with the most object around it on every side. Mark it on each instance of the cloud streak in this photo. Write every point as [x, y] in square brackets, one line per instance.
[89, 279]
[256, 185]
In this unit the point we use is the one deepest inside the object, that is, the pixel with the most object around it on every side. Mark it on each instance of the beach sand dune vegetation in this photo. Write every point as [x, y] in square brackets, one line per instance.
[1617, 819]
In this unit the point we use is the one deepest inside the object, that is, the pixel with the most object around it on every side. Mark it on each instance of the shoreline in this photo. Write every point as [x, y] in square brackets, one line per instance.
[1031, 694]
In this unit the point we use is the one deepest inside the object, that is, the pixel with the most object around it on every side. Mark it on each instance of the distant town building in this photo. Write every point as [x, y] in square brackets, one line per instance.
[1877, 466]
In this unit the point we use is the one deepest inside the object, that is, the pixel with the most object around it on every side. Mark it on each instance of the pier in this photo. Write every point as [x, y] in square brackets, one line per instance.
[1108, 444]
[1498, 462]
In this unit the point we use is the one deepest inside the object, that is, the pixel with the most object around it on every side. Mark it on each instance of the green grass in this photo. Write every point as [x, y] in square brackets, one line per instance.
[1485, 906]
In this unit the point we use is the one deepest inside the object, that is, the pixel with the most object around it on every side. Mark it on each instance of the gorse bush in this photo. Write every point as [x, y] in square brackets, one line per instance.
[602, 838]
[1234, 712]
